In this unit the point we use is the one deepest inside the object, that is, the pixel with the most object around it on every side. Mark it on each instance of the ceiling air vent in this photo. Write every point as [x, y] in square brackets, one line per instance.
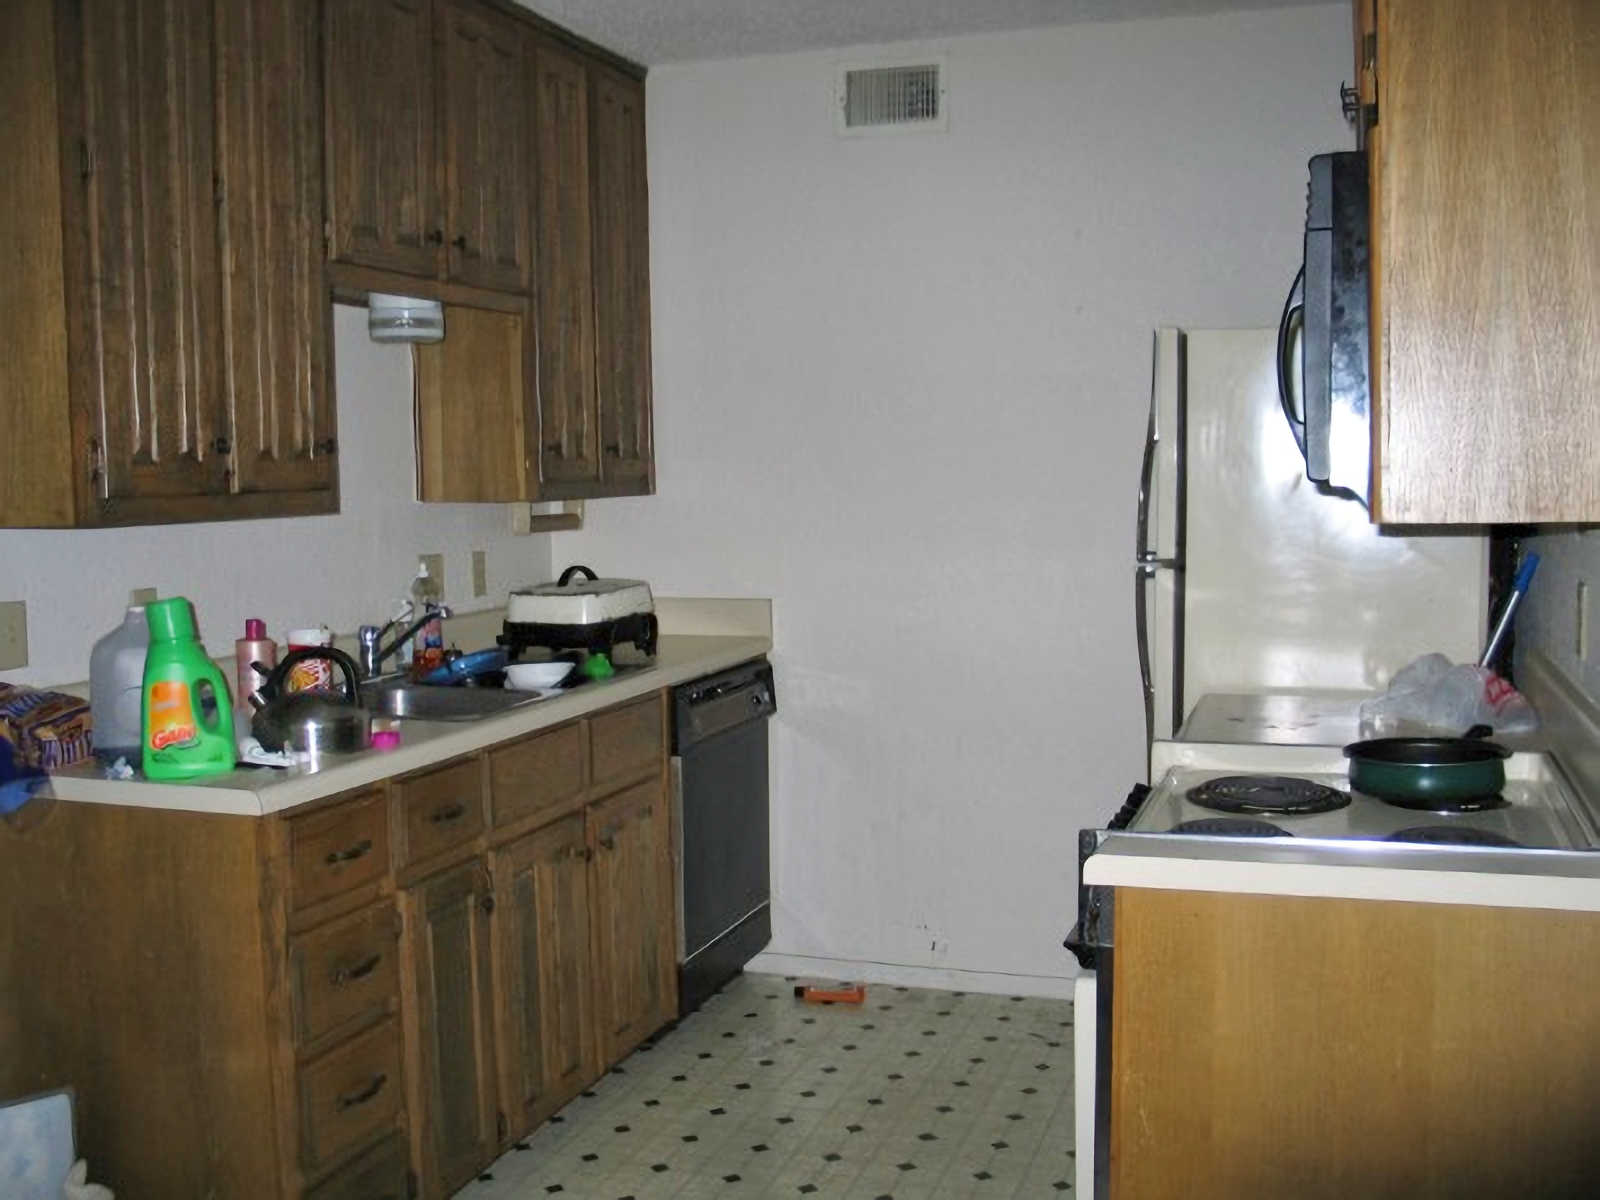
[891, 97]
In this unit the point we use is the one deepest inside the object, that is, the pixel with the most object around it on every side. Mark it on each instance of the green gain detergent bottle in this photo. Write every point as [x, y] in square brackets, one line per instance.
[187, 725]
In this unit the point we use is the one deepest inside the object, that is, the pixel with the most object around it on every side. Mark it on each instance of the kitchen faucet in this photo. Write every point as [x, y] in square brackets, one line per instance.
[370, 637]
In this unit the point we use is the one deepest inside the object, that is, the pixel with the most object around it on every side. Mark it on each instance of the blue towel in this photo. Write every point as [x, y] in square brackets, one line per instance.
[18, 782]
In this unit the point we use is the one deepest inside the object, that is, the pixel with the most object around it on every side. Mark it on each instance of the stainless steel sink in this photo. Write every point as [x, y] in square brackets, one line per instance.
[426, 702]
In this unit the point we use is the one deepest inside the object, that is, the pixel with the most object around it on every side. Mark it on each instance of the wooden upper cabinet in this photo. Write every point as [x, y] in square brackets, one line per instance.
[383, 207]
[470, 421]
[622, 283]
[634, 970]
[274, 294]
[1486, 286]
[544, 1032]
[484, 146]
[569, 450]
[144, 283]
[448, 916]
[165, 341]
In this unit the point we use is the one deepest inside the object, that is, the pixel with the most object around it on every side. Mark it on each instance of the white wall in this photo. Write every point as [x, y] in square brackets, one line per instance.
[901, 388]
[1547, 619]
[341, 570]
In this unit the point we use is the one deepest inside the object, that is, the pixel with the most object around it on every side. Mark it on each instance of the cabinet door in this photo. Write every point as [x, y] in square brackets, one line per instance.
[1489, 250]
[544, 1029]
[470, 383]
[632, 900]
[569, 450]
[622, 283]
[379, 135]
[144, 299]
[275, 302]
[485, 145]
[448, 916]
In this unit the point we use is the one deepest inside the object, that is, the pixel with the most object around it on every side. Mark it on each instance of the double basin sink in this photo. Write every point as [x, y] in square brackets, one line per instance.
[399, 697]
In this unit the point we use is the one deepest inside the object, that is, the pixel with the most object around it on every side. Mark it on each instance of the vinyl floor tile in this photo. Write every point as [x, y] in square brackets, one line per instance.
[915, 1095]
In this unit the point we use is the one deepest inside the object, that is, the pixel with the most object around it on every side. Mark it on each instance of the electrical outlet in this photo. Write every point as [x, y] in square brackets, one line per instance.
[1582, 622]
[142, 595]
[13, 635]
[480, 572]
[435, 565]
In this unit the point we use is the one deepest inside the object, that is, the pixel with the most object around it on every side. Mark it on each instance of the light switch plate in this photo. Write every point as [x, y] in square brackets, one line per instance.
[435, 565]
[480, 572]
[13, 634]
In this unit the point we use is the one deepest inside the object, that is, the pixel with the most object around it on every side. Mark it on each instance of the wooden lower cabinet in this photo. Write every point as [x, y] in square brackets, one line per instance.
[448, 918]
[383, 1173]
[634, 942]
[367, 997]
[544, 1028]
[1277, 1046]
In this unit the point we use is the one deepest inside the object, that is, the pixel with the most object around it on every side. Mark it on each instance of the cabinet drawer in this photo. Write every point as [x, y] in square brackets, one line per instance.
[338, 848]
[441, 809]
[344, 971]
[349, 1095]
[536, 773]
[382, 1173]
[625, 742]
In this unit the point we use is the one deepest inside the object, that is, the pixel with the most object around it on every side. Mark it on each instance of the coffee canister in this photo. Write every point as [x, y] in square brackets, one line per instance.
[312, 674]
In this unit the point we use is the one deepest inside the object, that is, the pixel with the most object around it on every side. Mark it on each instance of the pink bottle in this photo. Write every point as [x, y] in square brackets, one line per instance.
[254, 647]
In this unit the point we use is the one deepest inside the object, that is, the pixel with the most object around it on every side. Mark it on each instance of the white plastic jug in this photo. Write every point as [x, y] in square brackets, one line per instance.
[116, 680]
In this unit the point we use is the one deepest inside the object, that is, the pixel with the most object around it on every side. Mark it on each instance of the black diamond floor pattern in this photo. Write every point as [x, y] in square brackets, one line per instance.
[914, 1095]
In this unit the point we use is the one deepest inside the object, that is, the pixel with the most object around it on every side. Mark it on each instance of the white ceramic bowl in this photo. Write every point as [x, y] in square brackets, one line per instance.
[534, 677]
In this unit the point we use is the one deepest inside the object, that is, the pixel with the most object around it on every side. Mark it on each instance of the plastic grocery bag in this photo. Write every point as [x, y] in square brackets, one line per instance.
[1433, 694]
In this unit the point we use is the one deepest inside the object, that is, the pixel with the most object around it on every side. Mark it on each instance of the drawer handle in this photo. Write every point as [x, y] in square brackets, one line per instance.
[451, 812]
[354, 1099]
[344, 975]
[335, 857]
[607, 842]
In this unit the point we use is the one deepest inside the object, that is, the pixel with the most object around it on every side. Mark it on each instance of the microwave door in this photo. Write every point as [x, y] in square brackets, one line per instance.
[1349, 436]
[1335, 345]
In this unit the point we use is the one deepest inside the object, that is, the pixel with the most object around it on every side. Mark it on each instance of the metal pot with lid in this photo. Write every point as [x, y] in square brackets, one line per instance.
[311, 722]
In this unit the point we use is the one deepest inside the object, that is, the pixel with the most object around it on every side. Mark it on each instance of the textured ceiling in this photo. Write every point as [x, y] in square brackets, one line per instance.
[660, 31]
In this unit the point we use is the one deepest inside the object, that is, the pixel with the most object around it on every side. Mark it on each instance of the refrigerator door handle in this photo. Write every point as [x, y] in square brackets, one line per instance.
[1146, 475]
[1142, 575]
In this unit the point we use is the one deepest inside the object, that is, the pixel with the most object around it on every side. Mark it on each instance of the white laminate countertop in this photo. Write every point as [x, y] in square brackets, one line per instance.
[258, 791]
[1352, 870]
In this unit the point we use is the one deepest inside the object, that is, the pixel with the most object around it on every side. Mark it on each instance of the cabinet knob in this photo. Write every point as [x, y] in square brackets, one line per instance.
[614, 449]
[607, 842]
[434, 237]
[487, 904]
[222, 446]
[327, 446]
[460, 243]
[555, 448]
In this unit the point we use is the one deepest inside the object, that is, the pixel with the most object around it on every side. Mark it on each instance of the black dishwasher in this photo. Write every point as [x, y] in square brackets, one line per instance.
[719, 761]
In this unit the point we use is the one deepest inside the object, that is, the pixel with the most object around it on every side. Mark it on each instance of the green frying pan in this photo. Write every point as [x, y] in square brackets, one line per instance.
[1424, 772]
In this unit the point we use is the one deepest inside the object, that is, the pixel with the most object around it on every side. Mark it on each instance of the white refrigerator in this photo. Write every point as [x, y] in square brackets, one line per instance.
[1250, 580]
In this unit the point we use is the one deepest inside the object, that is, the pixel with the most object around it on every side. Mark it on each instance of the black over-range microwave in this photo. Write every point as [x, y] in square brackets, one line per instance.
[1326, 320]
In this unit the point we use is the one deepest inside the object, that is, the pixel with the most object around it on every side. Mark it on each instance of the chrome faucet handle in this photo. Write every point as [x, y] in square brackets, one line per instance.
[367, 638]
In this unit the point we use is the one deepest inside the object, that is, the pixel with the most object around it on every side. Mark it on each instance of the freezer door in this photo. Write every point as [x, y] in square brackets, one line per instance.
[1159, 543]
[1285, 587]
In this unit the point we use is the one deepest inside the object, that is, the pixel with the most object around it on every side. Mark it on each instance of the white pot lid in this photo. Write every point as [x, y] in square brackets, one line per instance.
[579, 598]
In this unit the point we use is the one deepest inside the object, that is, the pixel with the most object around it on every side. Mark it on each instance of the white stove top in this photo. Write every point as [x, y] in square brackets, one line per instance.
[1538, 812]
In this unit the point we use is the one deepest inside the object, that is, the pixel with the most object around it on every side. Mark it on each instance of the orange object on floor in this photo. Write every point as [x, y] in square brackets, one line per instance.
[850, 993]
